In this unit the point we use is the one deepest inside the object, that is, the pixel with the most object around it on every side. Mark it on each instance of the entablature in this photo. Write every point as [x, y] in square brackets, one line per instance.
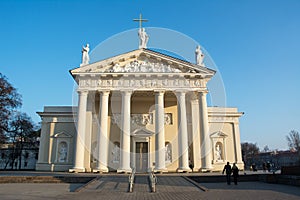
[146, 82]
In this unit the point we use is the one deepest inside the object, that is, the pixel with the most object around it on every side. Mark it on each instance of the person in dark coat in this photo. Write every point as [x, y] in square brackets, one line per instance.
[227, 169]
[235, 173]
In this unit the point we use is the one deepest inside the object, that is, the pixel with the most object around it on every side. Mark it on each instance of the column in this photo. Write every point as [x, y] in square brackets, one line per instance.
[160, 165]
[204, 133]
[182, 134]
[42, 163]
[102, 137]
[88, 130]
[237, 139]
[80, 138]
[125, 133]
[196, 132]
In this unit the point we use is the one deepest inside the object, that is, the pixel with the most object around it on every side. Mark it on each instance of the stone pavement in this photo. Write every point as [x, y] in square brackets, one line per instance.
[169, 187]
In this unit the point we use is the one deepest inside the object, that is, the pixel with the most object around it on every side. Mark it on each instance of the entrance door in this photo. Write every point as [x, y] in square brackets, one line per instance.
[141, 157]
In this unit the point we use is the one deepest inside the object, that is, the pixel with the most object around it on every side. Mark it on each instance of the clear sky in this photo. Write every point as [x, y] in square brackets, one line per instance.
[255, 44]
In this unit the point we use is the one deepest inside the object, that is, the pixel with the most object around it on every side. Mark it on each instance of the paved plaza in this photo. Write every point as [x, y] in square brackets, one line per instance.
[168, 187]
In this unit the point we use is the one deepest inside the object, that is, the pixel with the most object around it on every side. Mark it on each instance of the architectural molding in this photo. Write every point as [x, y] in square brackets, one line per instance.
[62, 134]
[142, 119]
[146, 82]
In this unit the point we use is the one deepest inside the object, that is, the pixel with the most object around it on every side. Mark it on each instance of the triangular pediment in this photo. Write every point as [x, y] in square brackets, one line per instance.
[142, 61]
[218, 134]
[62, 135]
[142, 133]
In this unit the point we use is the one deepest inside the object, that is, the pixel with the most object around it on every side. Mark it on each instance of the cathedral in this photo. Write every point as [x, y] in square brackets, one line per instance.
[140, 111]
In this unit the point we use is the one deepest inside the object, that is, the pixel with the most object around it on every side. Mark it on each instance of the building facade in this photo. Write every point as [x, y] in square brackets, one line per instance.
[141, 110]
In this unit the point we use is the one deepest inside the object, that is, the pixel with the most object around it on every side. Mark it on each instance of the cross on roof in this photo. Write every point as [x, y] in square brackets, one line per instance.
[140, 20]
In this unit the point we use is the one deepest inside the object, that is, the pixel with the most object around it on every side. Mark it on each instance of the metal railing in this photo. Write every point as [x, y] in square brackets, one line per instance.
[131, 180]
[152, 181]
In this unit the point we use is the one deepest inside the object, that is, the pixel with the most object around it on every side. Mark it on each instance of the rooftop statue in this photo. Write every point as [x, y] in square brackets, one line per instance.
[143, 38]
[199, 56]
[85, 55]
[142, 33]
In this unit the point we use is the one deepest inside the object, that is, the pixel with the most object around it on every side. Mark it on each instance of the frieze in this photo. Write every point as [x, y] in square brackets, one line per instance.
[223, 119]
[142, 119]
[141, 83]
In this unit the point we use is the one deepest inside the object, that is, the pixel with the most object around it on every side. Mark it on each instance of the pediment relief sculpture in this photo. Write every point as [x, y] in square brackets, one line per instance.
[143, 67]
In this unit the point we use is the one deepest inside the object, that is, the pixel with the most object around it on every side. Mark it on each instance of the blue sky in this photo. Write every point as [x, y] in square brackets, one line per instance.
[255, 44]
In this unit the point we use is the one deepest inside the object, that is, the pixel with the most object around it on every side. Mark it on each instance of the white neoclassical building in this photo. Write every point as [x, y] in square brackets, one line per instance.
[141, 110]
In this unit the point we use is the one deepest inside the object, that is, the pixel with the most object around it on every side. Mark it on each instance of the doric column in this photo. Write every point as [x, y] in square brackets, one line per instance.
[195, 132]
[80, 138]
[160, 165]
[182, 134]
[125, 133]
[102, 137]
[204, 133]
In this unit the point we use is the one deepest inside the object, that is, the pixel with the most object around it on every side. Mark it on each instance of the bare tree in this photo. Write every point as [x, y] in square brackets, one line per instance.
[293, 139]
[9, 100]
[249, 151]
[21, 134]
[266, 149]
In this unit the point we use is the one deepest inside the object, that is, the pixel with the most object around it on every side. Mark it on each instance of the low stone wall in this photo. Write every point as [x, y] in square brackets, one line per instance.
[44, 179]
[290, 170]
[289, 180]
[222, 178]
[267, 178]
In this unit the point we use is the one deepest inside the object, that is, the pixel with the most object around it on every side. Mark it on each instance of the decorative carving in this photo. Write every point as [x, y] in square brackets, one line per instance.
[168, 119]
[63, 152]
[113, 83]
[168, 152]
[197, 83]
[94, 156]
[218, 152]
[116, 153]
[142, 119]
[99, 82]
[143, 67]
[116, 118]
[199, 56]
[143, 38]
[85, 55]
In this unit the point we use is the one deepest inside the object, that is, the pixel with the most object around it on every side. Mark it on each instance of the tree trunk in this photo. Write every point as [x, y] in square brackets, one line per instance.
[20, 154]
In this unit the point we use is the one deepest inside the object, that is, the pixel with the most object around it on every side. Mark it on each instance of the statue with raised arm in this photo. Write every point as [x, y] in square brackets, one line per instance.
[85, 55]
[199, 56]
[143, 38]
[218, 152]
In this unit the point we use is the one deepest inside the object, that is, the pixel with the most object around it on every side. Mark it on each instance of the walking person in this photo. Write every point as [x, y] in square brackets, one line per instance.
[227, 169]
[235, 173]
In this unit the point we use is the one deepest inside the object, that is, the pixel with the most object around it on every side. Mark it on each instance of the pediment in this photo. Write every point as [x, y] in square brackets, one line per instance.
[142, 61]
[142, 133]
[62, 135]
[218, 134]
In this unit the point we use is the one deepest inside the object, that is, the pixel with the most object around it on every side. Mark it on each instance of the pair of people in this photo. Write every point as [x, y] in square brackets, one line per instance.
[234, 170]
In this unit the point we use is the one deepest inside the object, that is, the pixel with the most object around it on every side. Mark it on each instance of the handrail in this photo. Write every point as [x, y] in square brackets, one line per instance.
[153, 181]
[131, 180]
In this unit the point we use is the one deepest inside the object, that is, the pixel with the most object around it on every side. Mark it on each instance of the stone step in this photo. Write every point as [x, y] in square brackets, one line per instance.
[108, 183]
[141, 184]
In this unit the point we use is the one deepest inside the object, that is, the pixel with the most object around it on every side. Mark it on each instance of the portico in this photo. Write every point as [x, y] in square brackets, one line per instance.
[123, 86]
